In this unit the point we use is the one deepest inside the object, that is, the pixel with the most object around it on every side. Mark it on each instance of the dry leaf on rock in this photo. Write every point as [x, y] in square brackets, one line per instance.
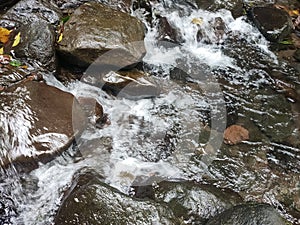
[235, 134]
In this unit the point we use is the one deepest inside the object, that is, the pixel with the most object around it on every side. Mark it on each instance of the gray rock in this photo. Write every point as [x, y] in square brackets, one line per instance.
[35, 20]
[248, 214]
[196, 203]
[274, 24]
[36, 122]
[95, 29]
[90, 201]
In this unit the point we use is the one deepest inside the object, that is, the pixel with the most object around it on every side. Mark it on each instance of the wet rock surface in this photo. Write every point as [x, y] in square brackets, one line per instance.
[195, 202]
[275, 24]
[235, 6]
[249, 214]
[94, 29]
[91, 201]
[36, 122]
[35, 20]
[133, 84]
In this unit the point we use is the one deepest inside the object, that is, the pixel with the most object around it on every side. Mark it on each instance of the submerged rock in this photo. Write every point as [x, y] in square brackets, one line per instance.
[248, 214]
[133, 84]
[95, 29]
[274, 24]
[35, 20]
[196, 203]
[36, 122]
[90, 201]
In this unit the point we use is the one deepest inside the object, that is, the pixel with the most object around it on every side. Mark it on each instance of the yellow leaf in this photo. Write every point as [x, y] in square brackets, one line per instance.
[294, 12]
[4, 35]
[197, 21]
[1, 51]
[60, 37]
[17, 39]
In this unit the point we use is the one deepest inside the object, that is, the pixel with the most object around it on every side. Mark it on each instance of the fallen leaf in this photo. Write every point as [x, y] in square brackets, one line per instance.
[1, 51]
[197, 21]
[60, 37]
[15, 63]
[4, 34]
[17, 39]
[235, 134]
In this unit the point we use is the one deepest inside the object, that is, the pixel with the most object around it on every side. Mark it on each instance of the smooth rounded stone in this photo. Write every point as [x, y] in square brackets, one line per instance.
[35, 20]
[234, 6]
[133, 84]
[95, 29]
[36, 122]
[90, 201]
[273, 23]
[249, 214]
[195, 202]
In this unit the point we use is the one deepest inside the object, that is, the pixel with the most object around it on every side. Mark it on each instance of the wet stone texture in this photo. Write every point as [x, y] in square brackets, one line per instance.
[35, 20]
[195, 203]
[90, 201]
[36, 122]
[94, 29]
[275, 24]
[248, 214]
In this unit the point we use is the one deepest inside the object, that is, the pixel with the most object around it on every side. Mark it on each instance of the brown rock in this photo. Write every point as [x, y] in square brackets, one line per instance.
[36, 121]
[235, 134]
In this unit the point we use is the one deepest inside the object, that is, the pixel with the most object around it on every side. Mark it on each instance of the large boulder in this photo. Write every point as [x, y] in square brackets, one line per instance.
[273, 23]
[35, 20]
[194, 202]
[95, 29]
[36, 122]
[90, 201]
[249, 214]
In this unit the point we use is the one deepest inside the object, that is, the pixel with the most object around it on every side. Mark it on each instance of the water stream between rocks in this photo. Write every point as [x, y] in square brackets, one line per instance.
[205, 86]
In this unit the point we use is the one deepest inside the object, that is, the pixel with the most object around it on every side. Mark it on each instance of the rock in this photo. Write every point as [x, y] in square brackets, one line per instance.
[235, 134]
[248, 214]
[90, 201]
[273, 23]
[36, 122]
[69, 6]
[132, 84]
[95, 29]
[235, 6]
[35, 20]
[195, 202]
[11, 75]
[297, 55]
[7, 3]
[166, 33]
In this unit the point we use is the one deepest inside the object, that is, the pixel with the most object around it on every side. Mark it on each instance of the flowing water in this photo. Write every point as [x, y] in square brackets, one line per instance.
[178, 135]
